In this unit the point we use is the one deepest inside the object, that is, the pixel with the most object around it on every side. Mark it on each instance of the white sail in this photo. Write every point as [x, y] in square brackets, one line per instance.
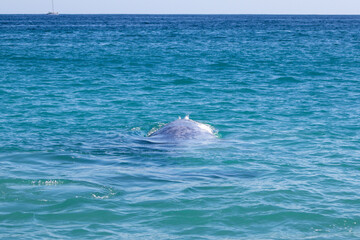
[53, 11]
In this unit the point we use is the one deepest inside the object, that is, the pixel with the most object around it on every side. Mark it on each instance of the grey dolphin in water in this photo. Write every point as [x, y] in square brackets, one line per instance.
[184, 129]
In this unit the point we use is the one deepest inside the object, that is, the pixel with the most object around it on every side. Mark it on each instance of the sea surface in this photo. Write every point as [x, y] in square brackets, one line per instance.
[79, 95]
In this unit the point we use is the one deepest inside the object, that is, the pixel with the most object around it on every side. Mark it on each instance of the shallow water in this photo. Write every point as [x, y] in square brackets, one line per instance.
[80, 93]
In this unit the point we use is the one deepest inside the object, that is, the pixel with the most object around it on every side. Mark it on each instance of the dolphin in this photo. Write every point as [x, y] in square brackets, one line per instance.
[183, 129]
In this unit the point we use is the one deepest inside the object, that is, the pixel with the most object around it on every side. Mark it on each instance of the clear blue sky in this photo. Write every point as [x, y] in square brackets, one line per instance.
[184, 6]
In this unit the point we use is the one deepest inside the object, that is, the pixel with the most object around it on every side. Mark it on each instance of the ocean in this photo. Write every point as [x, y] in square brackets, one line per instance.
[79, 95]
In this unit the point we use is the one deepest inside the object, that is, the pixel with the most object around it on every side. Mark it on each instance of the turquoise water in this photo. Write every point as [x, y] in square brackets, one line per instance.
[80, 93]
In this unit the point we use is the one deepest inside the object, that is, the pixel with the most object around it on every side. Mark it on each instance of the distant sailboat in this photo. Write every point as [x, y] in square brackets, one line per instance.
[52, 12]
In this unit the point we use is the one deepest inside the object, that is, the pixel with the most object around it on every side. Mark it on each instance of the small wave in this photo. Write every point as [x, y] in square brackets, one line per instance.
[47, 182]
[184, 81]
[287, 80]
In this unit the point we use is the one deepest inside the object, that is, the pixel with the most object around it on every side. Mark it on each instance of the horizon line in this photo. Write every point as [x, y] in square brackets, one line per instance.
[285, 14]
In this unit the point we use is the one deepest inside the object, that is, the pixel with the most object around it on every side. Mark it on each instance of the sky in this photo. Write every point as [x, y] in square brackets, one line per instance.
[182, 6]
